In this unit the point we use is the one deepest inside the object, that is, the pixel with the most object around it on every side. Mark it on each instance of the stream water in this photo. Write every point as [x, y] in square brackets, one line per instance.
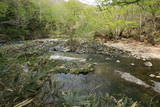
[115, 75]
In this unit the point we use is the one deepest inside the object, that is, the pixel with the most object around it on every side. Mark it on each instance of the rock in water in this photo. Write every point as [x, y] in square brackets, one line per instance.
[107, 59]
[131, 78]
[148, 64]
[118, 61]
[158, 77]
[156, 86]
[66, 50]
[58, 57]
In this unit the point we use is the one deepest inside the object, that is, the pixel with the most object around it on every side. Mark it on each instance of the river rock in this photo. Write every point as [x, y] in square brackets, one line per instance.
[156, 86]
[66, 50]
[90, 59]
[158, 77]
[128, 77]
[148, 64]
[132, 64]
[59, 57]
[144, 59]
[118, 61]
[25, 70]
[95, 63]
[107, 59]
[152, 75]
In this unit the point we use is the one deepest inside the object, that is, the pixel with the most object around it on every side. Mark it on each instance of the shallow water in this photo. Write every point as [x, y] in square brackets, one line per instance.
[105, 79]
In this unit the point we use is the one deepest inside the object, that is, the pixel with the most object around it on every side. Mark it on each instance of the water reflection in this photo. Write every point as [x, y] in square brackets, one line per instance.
[104, 80]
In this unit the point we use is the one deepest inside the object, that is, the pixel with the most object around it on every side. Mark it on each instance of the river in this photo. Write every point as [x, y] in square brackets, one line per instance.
[115, 75]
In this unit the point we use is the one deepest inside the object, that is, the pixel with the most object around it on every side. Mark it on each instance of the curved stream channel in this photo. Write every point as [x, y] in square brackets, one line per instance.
[115, 75]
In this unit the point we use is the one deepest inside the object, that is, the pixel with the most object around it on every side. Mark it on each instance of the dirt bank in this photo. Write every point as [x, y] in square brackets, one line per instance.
[137, 49]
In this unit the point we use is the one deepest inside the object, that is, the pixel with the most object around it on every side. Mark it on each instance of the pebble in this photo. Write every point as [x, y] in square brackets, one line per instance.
[107, 59]
[132, 64]
[158, 77]
[152, 75]
[62, 67]
[66, 50]
[144, 59]
[95, 63]
[90, 59]
[118, 61]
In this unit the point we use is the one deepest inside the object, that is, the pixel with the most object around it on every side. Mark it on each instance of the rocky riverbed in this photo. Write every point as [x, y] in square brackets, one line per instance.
[92, 66]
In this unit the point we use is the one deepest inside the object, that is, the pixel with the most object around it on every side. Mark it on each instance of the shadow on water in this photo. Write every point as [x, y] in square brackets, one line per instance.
[106, 80]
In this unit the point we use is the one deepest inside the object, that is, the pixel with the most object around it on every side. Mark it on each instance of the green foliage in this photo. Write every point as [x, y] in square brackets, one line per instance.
[25, 19]
[31, 19]
[3, 9]
[143, 14]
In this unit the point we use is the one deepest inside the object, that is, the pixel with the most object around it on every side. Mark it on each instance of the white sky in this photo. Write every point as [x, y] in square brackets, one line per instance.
[90, 2]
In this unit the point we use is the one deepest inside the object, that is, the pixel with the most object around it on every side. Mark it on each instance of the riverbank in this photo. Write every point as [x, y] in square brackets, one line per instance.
[136, 49]
[126, 47]
[132, 48]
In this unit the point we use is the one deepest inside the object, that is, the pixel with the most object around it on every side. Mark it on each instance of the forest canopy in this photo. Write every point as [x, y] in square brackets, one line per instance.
[31, 19]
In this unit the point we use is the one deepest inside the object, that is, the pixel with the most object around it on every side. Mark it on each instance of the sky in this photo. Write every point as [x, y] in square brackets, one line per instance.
[90, 2]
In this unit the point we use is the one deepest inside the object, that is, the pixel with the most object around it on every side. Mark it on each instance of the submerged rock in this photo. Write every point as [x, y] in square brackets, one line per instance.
[107, 59]
[58, 57]
[148, 64]
[131, 78]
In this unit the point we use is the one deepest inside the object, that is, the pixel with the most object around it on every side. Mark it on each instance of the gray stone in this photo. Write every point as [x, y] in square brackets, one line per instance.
[148, 64]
